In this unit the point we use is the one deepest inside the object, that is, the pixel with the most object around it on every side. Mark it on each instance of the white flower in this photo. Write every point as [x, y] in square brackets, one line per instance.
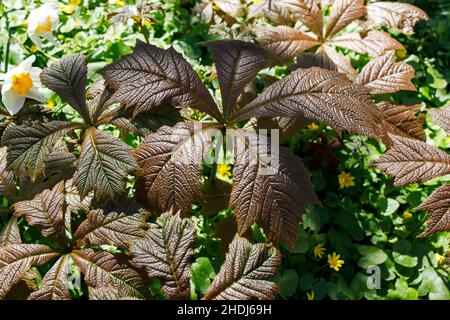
[41, 22]
[20, 83]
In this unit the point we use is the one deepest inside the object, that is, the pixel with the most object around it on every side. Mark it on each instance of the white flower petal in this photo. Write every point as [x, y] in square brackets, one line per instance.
[26, 64]
[34, 94]
[35, 75]
[12, 101]
[6, 86]
[36, 40]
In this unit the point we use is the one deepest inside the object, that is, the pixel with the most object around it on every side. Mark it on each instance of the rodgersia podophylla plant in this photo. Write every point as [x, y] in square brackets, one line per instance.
[155, 94]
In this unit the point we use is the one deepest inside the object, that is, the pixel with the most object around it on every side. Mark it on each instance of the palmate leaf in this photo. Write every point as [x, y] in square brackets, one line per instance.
[112, 228]
[401, 120]
[441, 117]
[103, 165]
[150, 77]
[165, 253]
[245, 272]
[317, 94]
[17, 259]
[7, 184]
[59, 158]
[101, 268]
[308, 12]
[215, 196]
[384, 75]
[411, 161]
[107, 293]
[55, 284]
[46, 211]
[10, 233]
[170, 164]
[29, 145]
[67, 77]
[375, 43]
[237, 63]
[233, 8]
[309, 60]
[341, 62]
[402, 16]
[273, 199]
[273, 10]
[147, 122]
[284, 42]
[286, 126]
[343, 12]
[74, 202]
[438, 207]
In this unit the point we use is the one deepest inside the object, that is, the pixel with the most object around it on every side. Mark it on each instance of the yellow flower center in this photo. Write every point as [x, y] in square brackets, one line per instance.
[120, 3]
[21, 83]
[45, 27]
[74, 2]
[310, 296]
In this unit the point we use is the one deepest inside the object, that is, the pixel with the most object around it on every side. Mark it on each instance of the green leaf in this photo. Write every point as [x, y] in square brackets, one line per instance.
[302, 243]
[371, 256]
[433, 284]
[202, 274]
[391, 206]
[402, 291]
[320, 289]
[401, 254]
[306, 281]
[288, 283]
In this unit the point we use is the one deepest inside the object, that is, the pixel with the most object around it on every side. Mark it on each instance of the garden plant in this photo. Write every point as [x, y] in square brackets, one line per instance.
[214, 149]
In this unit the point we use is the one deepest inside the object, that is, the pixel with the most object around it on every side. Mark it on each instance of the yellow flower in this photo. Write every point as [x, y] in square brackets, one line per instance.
[50, 104]
[33, 48]
[146, 23]
[224, 170]
[335, 262]
[401, 53]
[120, 3]
[346, 180]
[310, 296]
[439, 258]
[407, 214]
[313, 126]
[319, 250]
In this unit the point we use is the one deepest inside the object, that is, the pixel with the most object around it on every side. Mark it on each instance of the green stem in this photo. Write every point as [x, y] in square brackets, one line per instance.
[144, 31]
[417, 227]
[212, 174]
[8, 44]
